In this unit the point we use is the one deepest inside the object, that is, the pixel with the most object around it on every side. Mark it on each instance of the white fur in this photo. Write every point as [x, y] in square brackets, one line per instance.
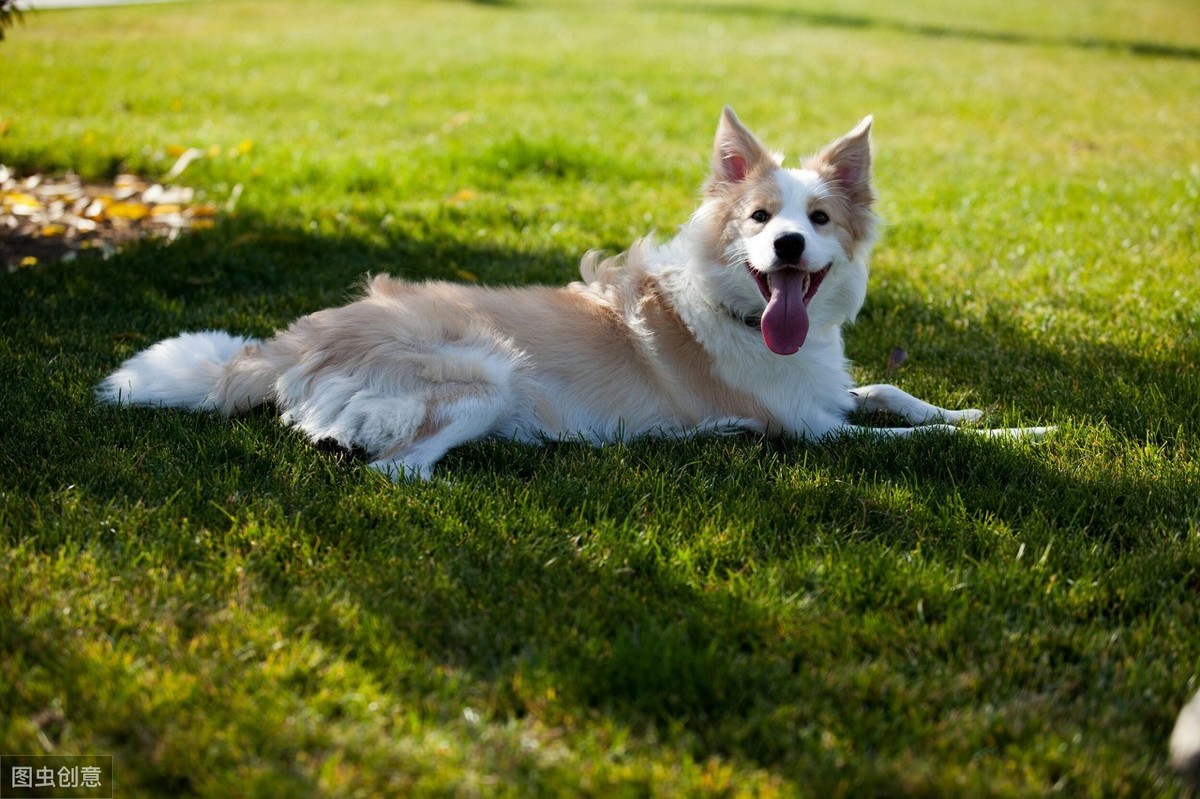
[1184, 743]
[178, 372]
[660, 341]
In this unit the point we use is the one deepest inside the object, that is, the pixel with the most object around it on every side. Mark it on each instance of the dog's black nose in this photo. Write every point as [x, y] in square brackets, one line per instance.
[789, 247]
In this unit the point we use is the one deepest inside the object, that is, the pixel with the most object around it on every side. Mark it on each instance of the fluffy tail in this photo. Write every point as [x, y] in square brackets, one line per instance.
[188, 371]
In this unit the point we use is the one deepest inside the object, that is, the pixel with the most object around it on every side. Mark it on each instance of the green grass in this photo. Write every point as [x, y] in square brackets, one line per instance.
[228, 611]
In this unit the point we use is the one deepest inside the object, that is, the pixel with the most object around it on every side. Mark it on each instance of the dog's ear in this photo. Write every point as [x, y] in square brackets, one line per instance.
[847, 163]
[737, 154]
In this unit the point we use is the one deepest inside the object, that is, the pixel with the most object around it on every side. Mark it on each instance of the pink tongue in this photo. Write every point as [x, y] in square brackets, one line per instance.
[785, 321]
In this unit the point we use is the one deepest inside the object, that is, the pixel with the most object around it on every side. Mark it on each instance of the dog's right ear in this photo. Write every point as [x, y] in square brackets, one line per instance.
[737, 154]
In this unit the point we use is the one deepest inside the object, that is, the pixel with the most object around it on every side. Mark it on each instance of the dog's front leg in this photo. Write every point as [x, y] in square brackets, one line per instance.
[883, 397]
[927, 417]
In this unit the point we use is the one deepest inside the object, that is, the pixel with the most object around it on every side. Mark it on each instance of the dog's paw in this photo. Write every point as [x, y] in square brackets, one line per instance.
[965, 415]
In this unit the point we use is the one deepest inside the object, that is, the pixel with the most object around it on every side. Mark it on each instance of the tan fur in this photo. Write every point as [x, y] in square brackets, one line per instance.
[700, 393]
[845, 171]
[618, 345]
[760, 191]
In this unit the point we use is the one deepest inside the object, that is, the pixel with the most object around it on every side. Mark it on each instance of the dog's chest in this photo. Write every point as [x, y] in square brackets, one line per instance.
[807, 393]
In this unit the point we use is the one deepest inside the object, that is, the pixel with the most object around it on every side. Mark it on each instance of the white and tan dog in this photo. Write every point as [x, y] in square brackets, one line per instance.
[734, 324]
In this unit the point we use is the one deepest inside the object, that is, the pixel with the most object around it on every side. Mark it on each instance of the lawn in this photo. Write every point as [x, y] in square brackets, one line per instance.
[228, 611]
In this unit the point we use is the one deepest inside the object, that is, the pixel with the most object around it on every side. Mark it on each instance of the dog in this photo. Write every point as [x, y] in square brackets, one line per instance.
[734, 324]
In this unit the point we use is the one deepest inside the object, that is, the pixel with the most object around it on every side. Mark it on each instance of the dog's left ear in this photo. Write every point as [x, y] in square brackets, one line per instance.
[847, 162]
[737, 154]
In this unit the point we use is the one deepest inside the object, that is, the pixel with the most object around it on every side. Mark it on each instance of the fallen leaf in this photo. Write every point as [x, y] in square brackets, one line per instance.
[173, 195]
[203, 211]
[78, 223]
[23, 209]
[125, 210]
[14, 198]
[95, 209]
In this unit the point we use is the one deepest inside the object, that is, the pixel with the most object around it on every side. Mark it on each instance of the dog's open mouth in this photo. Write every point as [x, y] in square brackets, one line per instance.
[787, 292]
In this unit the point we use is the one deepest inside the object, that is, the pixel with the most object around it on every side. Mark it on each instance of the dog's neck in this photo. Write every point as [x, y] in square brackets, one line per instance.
[752, 321]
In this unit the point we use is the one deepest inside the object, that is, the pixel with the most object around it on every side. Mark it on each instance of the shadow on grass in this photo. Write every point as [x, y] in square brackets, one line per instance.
[860, 22]
[540, 622]
[1149, 395]
[535, 622]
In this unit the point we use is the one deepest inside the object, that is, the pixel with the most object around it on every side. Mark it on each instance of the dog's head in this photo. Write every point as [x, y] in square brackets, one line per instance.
[791, 244]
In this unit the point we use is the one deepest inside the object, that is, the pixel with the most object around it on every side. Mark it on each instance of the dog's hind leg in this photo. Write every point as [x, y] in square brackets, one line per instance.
[882, 397]
[446, 423]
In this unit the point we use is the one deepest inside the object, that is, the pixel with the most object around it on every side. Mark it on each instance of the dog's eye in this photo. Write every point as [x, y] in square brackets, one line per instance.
[818, 218]
[761, 216]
